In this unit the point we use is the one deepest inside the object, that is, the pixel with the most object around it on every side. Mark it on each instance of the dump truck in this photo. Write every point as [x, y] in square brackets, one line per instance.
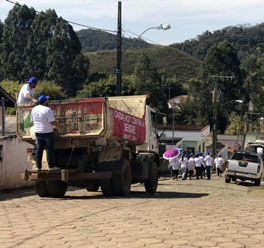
[107, 142]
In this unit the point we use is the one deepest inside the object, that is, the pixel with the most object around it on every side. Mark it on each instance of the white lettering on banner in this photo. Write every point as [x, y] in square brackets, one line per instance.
[130, 123]
[129, 128]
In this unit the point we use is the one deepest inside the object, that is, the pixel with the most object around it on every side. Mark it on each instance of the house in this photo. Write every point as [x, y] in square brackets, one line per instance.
[190, 138]
[13, 156]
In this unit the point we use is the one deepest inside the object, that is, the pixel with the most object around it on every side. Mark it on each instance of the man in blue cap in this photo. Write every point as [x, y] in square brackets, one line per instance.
[27, 91]
[44, 122]
[208, 165]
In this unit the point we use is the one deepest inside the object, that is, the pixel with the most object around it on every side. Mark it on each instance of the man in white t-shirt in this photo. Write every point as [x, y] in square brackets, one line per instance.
[191, 165]
[208, 165]
[198, 166]
[27, 91]
[44, 120]
[218, 163]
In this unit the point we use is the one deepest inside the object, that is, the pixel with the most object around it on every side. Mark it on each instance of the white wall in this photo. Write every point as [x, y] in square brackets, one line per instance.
[13, 162]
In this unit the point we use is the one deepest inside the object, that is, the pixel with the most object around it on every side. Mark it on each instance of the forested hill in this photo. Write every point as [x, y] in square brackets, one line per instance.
[245, 39]
[94, 40]
[170, 62]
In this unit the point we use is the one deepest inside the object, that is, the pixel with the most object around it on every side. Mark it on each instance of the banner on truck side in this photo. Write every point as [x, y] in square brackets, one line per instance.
[129, 127]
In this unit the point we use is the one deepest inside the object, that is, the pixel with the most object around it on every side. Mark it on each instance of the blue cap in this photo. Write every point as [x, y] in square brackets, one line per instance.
[197, 154]
[190, 154]
[43, 98]
[219, 155]
[208, 153]
[33, 80]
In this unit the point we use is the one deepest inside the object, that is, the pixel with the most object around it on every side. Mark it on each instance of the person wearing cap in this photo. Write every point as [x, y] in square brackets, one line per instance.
[27, 91]
[208, 165]
[218, 163]
[191, 165]
[44, 123]
[197, 162]
[201, 157]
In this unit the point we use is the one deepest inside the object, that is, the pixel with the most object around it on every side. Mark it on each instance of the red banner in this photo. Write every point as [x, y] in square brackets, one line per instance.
[129, 127]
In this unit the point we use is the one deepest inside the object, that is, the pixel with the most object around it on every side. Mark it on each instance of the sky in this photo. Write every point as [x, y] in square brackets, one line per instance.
[187, 18]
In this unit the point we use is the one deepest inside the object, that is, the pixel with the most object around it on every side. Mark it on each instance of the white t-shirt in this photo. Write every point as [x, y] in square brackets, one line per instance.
[42, 116]
[191, 164]
[175, 163]
[197, 162]
[22, 98]
[183, 162]
[208, 160]
[218, 162]
[201, 159]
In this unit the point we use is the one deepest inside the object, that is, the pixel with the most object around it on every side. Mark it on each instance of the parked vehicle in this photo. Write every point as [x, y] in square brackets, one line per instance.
[105, 142]
[244, 166]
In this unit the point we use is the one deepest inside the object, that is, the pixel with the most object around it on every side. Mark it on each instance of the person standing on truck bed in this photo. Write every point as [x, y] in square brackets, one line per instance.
[27, 91]
[44, 120]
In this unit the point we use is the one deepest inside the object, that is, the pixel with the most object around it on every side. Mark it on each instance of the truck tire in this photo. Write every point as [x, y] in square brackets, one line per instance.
[121, 180]
[106, 186]
[151, 184]
[227, 180]
[56, 188]
[257, 182]
[93, 187]
[41, 188]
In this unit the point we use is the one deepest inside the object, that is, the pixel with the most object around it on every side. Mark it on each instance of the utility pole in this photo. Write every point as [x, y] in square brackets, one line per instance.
[3, 115]
[215, 99]
[119, 53]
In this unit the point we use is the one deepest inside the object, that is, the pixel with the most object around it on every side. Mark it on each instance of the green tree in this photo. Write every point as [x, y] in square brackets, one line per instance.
[51, 89]
[148, 81]
[16, 31]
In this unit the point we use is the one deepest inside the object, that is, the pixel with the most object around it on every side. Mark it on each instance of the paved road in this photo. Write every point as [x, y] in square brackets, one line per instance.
[197, 213]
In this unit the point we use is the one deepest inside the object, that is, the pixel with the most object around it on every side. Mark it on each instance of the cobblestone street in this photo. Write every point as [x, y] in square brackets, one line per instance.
[196, 213]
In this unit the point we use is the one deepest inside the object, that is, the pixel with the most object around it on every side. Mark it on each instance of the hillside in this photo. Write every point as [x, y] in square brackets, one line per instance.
[246, 40]
[94, 40]
[168, 60]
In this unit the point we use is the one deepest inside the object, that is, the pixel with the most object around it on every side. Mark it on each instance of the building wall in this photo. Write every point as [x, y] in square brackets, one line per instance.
[13, 162]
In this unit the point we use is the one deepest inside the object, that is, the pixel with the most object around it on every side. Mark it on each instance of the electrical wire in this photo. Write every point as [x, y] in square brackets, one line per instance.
[143, 38]
[74, 23]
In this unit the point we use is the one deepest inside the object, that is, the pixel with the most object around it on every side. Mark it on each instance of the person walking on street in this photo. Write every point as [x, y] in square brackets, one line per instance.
[208, 165]
[197, 162]
[44, 120]
[175, 165]
[218, 163]
[27, 91]
[190, 166]
[184, 164]
[201, 157]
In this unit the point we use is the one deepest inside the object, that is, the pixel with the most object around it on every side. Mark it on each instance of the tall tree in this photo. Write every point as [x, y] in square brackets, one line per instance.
[16, 31]
[148, 81]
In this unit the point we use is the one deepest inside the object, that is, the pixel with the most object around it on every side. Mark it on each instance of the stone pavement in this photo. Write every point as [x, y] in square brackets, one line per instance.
[196, 213]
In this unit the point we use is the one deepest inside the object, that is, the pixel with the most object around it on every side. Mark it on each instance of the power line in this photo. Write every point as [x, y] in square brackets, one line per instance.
[143, 38]
[74, 23]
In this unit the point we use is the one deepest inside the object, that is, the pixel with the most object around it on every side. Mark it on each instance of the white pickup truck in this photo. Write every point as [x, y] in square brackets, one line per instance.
[244, 166]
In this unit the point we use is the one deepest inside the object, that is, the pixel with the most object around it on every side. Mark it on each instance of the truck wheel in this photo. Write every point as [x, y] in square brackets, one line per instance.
[93, 187]
[121, 181]
[41, 188]
[151, 184]
[227, 180]
[258, 182]
[106, 186]
[233, 179]
[56, 188]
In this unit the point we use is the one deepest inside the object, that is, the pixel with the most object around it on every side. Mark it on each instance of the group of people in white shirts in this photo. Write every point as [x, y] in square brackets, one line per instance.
[195, 165]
